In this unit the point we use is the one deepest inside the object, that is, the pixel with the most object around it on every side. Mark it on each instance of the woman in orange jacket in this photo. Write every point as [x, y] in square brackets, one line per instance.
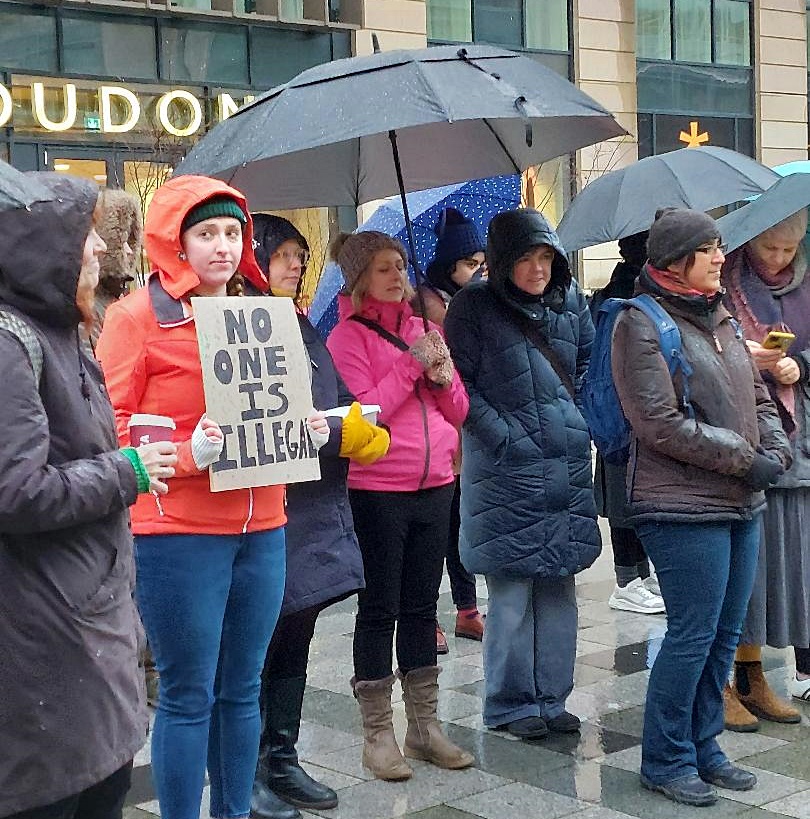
[210, 568]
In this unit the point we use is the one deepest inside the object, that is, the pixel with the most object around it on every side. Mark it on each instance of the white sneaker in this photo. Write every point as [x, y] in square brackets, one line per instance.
[800, 689]
[651, 584]
[635, 596]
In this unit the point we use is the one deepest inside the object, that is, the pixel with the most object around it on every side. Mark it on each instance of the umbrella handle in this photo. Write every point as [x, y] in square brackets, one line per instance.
[420, 276]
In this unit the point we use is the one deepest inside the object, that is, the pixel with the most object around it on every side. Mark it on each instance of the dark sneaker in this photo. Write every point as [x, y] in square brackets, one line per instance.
[688, 790]
[526, 728]
[730, 776]
[565, 723]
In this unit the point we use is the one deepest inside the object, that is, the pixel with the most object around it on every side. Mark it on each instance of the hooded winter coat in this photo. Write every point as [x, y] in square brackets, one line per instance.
[685, 469]
[423, 419]
[71, 699]
[527, 506]
[148, 350]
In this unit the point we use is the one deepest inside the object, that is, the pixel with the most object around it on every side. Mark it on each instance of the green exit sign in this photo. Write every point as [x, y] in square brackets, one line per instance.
[92, 122]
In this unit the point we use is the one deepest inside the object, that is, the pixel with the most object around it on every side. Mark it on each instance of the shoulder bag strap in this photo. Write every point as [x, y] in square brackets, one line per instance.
[381, 331]
[541, 343]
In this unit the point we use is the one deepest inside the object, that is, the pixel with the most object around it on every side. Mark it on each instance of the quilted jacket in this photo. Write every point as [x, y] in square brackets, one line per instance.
[527, 507]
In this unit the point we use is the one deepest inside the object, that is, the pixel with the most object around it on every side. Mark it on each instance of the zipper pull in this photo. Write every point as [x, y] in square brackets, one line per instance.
[718, 346]
[159, 504]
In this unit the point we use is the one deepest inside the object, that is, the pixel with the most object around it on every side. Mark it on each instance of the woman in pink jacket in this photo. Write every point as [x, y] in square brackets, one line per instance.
[401, 503]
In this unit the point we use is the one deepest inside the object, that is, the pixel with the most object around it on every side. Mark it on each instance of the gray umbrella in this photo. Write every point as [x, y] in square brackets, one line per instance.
[784, 198]
[18, 190]
[325, 137]
[624, 202]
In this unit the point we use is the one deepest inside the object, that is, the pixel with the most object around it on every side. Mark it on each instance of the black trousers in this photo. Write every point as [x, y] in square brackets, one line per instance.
[104, 800]
[627, 548]
[462, 583]
[403, 539]
[802, 660]
[288, 652]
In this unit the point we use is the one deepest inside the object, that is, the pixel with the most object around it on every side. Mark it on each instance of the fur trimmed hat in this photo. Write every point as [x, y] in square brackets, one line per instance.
[354, 251]
[677, 232]
[121, 222]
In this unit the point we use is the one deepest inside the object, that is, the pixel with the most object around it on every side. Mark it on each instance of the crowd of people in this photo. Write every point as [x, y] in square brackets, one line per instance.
[479, 455]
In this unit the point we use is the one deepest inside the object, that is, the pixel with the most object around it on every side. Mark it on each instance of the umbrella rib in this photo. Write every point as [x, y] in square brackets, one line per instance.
[503, 147]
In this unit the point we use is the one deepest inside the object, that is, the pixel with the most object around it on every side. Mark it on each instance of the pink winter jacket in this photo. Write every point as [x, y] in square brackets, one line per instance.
[423, 419]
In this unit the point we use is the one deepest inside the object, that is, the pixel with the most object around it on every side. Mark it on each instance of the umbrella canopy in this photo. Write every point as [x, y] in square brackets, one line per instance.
[799, 166]
[478, 200]
[459, 113]
[17, 190]
[624, 202]
[785, 197]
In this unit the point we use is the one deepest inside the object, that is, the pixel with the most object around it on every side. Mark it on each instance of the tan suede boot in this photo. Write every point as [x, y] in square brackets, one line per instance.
[381, 754]
[424, 739]
[737, 716]
[756, 695]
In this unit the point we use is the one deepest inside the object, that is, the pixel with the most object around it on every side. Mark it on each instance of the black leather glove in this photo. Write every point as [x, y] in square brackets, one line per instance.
[764, 472]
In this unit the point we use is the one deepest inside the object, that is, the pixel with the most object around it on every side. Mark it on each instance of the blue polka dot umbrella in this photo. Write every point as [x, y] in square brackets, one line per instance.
[479, 200]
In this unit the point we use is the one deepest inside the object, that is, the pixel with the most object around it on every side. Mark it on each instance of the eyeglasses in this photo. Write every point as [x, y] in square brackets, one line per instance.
[712, 249]
[292, 256]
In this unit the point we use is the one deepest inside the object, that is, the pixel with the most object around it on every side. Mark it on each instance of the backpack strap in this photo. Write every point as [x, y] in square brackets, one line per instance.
[381, 331]
[21, 330]
[669, 337]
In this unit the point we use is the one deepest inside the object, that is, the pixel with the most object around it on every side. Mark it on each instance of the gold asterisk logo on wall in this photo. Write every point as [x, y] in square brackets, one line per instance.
[693, 139]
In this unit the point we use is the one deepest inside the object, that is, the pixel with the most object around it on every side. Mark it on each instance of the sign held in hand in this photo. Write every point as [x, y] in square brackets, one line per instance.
[257, 387]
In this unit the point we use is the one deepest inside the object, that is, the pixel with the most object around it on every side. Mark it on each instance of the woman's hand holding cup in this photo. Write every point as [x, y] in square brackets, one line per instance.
[158, 459]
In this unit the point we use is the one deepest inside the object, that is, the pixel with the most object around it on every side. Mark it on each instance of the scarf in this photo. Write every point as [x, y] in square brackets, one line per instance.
[671, 282]
[753, 301]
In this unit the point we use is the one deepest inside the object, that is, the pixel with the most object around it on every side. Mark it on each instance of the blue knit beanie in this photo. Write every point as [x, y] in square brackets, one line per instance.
[458, 239]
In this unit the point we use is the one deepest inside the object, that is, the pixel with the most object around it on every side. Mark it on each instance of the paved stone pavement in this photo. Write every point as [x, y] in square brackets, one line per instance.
[589, 776]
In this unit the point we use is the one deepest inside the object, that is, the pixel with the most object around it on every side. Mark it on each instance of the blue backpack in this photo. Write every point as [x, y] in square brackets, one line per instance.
[601, 408]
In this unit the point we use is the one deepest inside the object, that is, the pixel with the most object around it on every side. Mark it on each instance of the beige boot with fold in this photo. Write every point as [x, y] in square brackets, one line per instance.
[424, 739]
[381, 754]
[758, 697]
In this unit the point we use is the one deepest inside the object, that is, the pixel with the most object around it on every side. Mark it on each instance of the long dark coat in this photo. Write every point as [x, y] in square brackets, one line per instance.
[71, 700]
[527, 503]
[323, 559]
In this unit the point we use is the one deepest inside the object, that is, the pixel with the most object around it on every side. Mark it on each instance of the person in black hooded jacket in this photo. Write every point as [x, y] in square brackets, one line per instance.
[72, 710]
[324, 564]
[521, 342]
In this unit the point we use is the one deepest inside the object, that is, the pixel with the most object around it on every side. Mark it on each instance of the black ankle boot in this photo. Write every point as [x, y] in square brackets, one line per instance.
[278, 760]
[267, 805]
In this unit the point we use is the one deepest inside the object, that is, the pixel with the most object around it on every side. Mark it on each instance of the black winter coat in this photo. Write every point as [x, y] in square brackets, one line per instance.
[323, 559]
[527, 506]
[71, 701]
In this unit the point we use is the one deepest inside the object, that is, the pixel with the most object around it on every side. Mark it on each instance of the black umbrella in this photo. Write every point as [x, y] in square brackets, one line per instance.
[624, 202]
[784, 198]
[17, 190]
[453, 114]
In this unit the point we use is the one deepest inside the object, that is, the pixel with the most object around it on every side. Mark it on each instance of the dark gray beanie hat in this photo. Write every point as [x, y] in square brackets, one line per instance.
[677, 232]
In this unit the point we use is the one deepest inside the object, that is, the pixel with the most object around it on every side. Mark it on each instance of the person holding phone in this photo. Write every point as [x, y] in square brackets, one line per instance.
[768, 290]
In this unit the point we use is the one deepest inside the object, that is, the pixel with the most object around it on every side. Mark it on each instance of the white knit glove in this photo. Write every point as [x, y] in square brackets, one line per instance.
[319, 433]
[205, 450]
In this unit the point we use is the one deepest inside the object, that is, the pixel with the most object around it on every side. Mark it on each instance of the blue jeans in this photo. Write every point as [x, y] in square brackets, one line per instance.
[209, 604]
[706, 572]
[530, 644]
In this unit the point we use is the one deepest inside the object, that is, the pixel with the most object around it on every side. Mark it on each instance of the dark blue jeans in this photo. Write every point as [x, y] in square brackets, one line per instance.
[706, 573]
[209, 604]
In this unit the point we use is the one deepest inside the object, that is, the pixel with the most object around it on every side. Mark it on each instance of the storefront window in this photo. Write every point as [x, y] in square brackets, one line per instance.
[693, 25]
[732, 35]
[669, 87]
[547, 25]
[449, 20]
[93, 45]
[653, 29]
[499, 21]
[27, 40]
[196, 52]
[277, 55]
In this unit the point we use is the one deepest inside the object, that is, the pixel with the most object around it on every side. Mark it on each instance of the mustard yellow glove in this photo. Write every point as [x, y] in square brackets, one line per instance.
[361, 441]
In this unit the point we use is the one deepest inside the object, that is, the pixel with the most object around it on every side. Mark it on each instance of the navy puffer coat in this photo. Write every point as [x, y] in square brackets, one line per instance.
[527, 507]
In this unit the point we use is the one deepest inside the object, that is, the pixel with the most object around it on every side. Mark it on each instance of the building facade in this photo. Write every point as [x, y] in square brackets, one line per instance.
[118, 89]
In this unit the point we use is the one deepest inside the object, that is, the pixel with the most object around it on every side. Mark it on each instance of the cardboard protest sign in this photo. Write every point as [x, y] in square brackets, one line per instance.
[257, 387]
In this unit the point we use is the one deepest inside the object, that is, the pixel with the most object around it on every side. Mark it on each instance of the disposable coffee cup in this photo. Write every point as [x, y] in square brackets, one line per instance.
[149, 429]
[369, 412]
